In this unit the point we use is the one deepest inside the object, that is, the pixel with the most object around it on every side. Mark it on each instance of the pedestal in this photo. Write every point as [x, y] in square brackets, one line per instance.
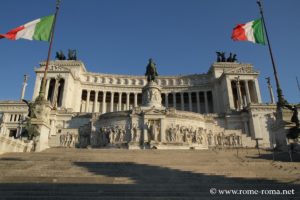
[151, 95]
[134, 145]
[42, 141]
[41, 121]
[281, 128]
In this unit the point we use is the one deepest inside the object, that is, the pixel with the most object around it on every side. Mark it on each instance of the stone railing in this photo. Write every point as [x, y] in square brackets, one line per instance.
[10, 144]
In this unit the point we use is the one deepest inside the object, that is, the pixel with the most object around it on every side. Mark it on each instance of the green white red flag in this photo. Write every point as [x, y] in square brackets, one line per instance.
[252, 31]
[39, 29]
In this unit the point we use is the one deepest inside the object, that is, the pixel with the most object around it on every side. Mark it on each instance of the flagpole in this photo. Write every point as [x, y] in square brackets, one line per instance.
[298, 83]
[281, 101]
[43, 89]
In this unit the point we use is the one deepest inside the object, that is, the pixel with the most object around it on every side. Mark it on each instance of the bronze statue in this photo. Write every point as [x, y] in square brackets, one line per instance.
[72, 54]
[221, 56]
[31, 109]
[151, 71]
[294, 132]
[60, 55]
[31, 131]
[294, 118]
[234, 59]
[229, 59]
[268, 80]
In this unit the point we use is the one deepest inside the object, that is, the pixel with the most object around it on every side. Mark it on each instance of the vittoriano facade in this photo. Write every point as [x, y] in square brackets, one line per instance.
[222, 107]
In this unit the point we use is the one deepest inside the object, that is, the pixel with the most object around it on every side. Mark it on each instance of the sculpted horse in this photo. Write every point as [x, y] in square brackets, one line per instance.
[221, 56]
[60, 55]
[72, 54]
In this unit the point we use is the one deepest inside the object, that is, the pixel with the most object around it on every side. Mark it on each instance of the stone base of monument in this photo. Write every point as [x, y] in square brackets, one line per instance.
[153, 126]
[151, 95]
[134, 145]
[281, 128]
[117, 145]
[175, 145]
[43, 138]
[41, 121]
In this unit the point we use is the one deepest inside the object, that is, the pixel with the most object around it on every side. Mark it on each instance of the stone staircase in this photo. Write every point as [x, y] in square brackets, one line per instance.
[10, 144]
[142, 174]
[54, 141]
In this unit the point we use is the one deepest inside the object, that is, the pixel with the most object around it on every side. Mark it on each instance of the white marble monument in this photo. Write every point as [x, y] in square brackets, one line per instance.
[219, 108]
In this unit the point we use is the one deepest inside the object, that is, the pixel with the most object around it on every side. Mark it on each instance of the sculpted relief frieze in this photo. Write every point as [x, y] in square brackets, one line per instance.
[14, 109]
[243, 70]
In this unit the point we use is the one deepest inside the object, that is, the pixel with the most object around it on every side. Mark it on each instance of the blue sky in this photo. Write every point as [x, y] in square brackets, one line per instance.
[118, 36]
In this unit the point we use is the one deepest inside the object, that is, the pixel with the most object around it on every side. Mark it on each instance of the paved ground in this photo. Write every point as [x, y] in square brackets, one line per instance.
[147, 174]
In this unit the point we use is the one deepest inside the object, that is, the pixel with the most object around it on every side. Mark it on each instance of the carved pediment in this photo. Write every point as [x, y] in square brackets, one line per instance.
[242, 70]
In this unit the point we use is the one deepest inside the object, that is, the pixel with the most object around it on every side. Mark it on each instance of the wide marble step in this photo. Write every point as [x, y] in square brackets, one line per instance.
[63, 173]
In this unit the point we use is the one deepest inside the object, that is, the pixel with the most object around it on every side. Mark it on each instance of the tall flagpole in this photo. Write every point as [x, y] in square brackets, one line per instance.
[43, 89]
[298, 83]
[281, 101]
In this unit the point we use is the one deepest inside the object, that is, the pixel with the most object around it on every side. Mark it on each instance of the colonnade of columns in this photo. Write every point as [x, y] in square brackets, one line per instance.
[109, 101]
[55, 91]
[198, 101]
[244, 93]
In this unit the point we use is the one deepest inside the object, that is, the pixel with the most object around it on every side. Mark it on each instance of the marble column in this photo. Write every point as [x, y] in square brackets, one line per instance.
[87, 101]
[174, 100]
[247, 92]
[112, 95]
[55, 95]
[271, 94]
[198, 102]
[127, 101]
[182, 100]
[257, 91]
[205, 102]
[104, 102]
[135, 99]
[166, 100]
[37, 87]
[96, 102]
[230, 101]
[120, 102]
[190, 102]
[65, 102]
[239, 93]
[24, 87]
[47, 88]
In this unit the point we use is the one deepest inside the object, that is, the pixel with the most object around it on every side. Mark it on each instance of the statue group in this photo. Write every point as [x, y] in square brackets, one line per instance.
[221, 57]
[68, 139]
[71, 55]
[185, 134]
[105, 136]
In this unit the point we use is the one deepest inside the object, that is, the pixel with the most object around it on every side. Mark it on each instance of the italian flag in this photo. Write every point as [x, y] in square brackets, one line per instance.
[252, 31]
[39, 29]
